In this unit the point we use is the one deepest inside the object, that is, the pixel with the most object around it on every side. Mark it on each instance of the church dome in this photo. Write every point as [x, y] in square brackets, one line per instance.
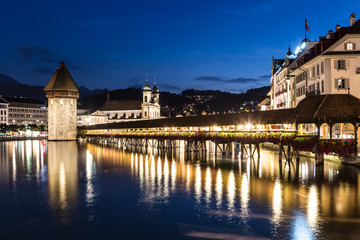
[155, 90]
[147, 87]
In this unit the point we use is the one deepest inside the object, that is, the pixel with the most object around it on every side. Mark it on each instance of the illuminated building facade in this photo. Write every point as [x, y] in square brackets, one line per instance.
[62, 93]
[94, 118]
[328, 66]
[150, 106]
[121, 110]
[22, 111]
[4, 109]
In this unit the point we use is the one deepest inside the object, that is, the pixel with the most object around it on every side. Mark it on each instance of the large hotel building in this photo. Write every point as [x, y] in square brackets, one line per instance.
[330, 65]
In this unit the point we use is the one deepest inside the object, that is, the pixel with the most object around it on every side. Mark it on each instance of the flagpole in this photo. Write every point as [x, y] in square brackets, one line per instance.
[305, 29]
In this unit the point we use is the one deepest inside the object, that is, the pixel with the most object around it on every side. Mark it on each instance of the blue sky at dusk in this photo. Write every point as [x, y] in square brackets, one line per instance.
[224, 45]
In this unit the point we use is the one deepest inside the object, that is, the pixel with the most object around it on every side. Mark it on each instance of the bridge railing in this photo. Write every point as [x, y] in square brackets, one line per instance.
[301, 143]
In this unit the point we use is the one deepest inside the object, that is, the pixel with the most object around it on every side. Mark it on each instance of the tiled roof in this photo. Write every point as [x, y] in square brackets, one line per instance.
[331, 106]
[2, 100]
[121, 105]
[318, 108]
[61, 80]
[261, 117]
[355, 28]
[23, 100]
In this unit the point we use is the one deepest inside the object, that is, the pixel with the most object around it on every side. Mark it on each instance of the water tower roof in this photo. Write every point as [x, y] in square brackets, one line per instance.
[61, 80]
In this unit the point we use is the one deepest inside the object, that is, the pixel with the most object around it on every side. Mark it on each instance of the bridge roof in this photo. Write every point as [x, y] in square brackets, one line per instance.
[326, 108]
[243, 118]
[318, 109]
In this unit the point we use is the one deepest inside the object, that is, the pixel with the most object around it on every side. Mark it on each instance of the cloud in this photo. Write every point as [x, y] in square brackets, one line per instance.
[168, 87]
[26, 53]
[34, 50]
[43, 70]
[235, 90]
[265, 77]
[209, 78]
[135, 83]
[240, 80]
[74, 67]
[49, 60]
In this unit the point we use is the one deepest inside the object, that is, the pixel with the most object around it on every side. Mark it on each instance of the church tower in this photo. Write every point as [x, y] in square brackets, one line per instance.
[155, 94]
[146, 105]
[62, 93]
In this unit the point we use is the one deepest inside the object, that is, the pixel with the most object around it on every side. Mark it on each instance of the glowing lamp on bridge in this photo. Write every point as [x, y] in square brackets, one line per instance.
[248, 126]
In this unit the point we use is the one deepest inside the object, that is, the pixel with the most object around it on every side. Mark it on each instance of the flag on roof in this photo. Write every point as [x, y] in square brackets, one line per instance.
[306, 25]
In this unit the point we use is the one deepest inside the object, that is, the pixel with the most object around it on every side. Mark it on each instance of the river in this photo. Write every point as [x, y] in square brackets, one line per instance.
[79, 190]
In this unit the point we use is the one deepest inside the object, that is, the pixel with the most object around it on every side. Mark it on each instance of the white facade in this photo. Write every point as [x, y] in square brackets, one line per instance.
[150, 106]
[94, 118]
[4, 109]
[22, 111]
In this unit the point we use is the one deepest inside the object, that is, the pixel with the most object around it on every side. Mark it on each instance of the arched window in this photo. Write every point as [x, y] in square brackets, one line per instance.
[145, 98]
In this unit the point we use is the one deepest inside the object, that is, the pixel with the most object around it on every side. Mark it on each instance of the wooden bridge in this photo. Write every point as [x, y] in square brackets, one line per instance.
[308, 127]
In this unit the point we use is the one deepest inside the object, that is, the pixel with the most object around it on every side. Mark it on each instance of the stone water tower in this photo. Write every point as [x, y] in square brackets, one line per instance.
[62, 94]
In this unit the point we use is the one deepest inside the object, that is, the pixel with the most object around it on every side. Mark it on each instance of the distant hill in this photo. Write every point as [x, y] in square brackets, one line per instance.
[217, 101]
[190, 100]
[11, 87]
[5, 79]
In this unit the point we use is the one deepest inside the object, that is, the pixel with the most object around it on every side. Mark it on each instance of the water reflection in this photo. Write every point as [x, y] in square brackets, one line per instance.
[63, 178]
[231, 191]
[245, 189]
[298, 206]
[312, 208]
[219, 188]
[277, 204]
[90, 168]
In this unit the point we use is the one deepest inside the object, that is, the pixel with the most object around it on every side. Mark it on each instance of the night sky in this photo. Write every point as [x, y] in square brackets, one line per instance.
[224, 45]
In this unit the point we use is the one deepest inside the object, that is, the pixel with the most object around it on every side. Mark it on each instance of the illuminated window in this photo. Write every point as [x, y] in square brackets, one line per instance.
[349, 46]
[341, 83]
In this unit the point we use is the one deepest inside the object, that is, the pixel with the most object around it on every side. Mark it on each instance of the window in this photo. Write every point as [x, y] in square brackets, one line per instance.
[349, 46]
[340, 64]
[317, 70]
[145, 99]
[341, 83]
[313, 72]
[145, 114]
[322, 86]
[322, 67]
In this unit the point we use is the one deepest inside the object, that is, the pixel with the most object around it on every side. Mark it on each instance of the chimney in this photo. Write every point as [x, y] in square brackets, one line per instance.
[329, 35]
[337, 27]
[108, 97]
[352, 19]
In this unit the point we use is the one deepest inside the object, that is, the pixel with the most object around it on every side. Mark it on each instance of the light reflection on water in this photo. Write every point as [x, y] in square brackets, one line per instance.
[297, 201]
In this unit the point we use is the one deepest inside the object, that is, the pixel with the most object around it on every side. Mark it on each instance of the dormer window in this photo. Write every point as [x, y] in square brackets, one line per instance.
[350, 46]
